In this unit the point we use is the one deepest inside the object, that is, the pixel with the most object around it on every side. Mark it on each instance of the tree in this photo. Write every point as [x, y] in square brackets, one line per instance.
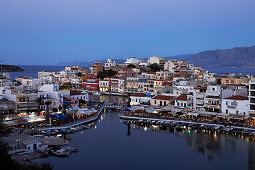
[106, 73]
[154, 67]
[79, 74]
[47, 109]
[39, 101]
[131, 66]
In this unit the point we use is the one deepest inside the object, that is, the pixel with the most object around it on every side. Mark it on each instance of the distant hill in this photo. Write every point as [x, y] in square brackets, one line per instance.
[10, 68]
[180, 57]
[235, 57]
[87, 64]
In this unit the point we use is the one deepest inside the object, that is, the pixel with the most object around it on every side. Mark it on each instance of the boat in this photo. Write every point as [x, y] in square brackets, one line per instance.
[62, 152]
[71, 149]
[96, 93]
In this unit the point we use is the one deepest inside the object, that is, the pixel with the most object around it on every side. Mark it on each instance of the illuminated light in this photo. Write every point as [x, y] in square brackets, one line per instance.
[95, 127]
[82, 132]
[145, 128]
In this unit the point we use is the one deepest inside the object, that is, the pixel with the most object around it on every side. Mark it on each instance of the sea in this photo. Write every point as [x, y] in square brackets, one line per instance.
[32, 70]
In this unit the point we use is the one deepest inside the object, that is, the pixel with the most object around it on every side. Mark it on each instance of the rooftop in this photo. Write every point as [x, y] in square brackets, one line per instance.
[237, 97]
[161, 97]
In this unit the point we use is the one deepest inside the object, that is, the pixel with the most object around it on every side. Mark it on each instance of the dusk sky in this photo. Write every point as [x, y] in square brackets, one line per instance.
[50, 31]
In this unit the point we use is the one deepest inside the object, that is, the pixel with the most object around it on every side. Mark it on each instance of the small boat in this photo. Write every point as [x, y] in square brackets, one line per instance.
[73, 129]
[62, 152]
[96, 93]
[71, 149]
[84, 126]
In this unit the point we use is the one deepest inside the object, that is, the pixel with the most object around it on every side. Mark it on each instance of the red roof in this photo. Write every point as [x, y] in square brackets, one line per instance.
[182, 97]
[201, 88]
[167, 84]
[152, 73]
[66, 99]
[161, 97]
[237, 97]
[75, 92]
[139, 95]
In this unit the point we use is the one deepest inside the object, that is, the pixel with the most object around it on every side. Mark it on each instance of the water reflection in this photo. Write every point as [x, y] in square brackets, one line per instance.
[108, 98]
[209, 144]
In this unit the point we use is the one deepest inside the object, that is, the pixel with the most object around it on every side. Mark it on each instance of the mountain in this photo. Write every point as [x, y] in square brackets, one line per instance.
[87, 64]
[180, 57]
[235, 57]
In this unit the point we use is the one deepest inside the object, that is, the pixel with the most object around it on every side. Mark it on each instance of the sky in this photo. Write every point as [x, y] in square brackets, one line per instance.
[46, 32]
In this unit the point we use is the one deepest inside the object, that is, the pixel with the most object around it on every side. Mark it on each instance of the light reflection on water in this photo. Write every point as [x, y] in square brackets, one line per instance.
[115, 145]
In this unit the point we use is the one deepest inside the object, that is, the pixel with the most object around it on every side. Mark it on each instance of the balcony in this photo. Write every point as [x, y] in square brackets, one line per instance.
[212, 104]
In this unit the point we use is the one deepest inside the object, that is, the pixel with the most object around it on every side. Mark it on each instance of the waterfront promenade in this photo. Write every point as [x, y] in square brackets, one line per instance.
[89, 120]
[182, 121]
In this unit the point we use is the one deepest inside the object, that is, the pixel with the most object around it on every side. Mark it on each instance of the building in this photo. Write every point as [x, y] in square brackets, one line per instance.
[161, 100]
[132, 84]
[181, 101]
[96, 68]
[104, 85]
[157, 60]
[139, 98]
[109, 64]
[91, 84]
[213, 98]
[24, 102]
[235, 80]
[132, 60]
[79, 94]
[235, 105]
[50, 93]
[252, 96]
[199, 98]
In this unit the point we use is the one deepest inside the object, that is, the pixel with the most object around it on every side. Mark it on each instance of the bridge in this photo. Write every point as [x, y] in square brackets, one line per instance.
[114, 106]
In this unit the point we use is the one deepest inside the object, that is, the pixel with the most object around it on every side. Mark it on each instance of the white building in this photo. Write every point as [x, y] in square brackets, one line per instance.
[213, 98]
[132, 60]
[79, 95]
[157, 60]
[139, 98]
[51, 92]
[181, 101]
[110, 63]
[104, 85]
[235, 105]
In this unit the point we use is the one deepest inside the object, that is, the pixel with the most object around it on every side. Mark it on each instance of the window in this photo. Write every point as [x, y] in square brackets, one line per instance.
[237, 112]
[227, 81]
[226, 110]
[226, 102]
[232, 81]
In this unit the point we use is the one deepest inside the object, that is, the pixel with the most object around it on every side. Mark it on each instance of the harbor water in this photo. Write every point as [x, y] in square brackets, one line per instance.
[111, 144]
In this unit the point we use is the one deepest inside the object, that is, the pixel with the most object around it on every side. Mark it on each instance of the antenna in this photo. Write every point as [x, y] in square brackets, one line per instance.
[1, 61]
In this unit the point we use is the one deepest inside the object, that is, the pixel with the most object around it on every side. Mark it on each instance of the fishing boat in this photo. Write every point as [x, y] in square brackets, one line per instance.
[71, 149]
[96, 93]
[62, 152]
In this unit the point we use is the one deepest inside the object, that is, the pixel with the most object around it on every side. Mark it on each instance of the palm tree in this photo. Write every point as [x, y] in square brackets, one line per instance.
[39, 101]
[47, 109]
